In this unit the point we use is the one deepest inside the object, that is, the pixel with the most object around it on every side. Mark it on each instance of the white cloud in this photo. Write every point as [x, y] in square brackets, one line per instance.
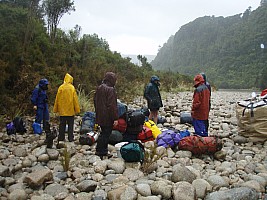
[140, 26]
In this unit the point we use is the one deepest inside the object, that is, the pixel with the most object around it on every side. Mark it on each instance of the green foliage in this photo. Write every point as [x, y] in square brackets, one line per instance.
[152, 155]
[65, 159]
[27, 54]
[226, 49]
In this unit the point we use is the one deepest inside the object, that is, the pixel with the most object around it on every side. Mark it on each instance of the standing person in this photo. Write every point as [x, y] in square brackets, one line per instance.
[67, 105]
[39, 100]
[105, 102]
[200, 106]
[209, 87]
[153, 98]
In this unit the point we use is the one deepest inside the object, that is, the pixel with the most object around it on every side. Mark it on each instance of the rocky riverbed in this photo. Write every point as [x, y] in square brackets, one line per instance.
[29, 170]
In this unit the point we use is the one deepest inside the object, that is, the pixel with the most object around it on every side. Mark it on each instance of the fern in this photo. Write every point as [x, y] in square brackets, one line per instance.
[65, 159]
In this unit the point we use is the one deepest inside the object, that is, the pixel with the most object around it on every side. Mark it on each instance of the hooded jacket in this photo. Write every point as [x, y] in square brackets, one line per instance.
[152, 94]
[201, 98]
[39, 97]
[105, 101]
[66, 103]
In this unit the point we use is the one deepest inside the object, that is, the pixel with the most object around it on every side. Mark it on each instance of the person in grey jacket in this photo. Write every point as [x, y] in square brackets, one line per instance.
[153, 97]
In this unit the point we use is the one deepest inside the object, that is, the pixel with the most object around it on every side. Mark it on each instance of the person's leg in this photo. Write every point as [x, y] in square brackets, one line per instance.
[70, 121]
[62, 126]
[102, 141]
[154, 115]
[45, 116]
[39, 115]
[200, 127]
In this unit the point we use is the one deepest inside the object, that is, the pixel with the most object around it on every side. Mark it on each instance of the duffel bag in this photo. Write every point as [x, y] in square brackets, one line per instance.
[153, 127]
[135, 118]
[121, 126]
[200, 145]
[132, 152]
[88, 122]
[168, 138]
[185, 117]
[10, 128]
[115, 137]
[88, 138]
[37, 128]
[145, 135]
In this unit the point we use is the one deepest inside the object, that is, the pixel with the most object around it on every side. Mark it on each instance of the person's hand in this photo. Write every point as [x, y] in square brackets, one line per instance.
[115, 123]
[34, 107]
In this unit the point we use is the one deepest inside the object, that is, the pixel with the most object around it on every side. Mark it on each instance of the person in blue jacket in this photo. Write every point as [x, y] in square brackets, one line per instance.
[153, 97]
[39, 100]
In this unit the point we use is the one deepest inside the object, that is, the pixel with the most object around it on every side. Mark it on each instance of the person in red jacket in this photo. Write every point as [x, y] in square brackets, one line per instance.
[105, 102]
[200, 106]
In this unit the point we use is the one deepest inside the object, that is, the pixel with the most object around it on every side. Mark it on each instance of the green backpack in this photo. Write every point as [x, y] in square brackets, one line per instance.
[133, 152]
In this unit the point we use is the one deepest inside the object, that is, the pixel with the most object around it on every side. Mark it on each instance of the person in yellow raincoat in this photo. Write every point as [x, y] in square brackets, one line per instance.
[66, 105]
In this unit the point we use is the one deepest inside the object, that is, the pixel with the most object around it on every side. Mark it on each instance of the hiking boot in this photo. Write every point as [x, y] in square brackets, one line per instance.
[104, 156]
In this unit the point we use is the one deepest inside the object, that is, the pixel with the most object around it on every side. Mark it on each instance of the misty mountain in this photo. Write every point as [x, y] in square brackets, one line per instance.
[230, 50]
[134, 59]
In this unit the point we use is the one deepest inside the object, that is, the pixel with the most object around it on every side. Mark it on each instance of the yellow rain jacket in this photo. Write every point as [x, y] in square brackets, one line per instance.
[66, 103]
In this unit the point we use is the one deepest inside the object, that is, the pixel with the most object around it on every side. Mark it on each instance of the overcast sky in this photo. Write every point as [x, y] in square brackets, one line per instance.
[141, 26]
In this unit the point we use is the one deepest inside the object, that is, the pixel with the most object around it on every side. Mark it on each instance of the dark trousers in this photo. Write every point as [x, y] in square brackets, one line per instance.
[103, 139]
[42, 115]
[63, 121]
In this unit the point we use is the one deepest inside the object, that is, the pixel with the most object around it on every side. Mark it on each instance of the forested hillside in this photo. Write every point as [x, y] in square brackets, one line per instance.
[229, 50]
[33, 47]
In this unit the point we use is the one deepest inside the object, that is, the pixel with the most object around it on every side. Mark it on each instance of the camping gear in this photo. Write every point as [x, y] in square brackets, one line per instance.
[135, 118]
[251, 117]
[132, 133]
[122, 109]
[88, 122]
[132, 152]
[200, 145]
[89, 138]
[145, 135]
[185, 117]
[184, 133]
[121, 126]
[168, 138]
[10, 128]
[37, 128]
[50, 135]
[115, 137]
[20, 125]
[118, 148]
[161, 120]
[155, 130]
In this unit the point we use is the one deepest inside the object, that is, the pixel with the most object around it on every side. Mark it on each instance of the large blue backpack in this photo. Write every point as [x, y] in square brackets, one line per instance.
[88, 122]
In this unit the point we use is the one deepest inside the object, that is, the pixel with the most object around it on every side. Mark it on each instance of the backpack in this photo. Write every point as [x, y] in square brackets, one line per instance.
[135, 118]
[168, 138]
[89, 138]
[185, 117]
[121, 126]
[88, 122]
[10, 128]
[155, 130]
[115, 137]
[145, 135]
[133, 152]
[200, 145]
[20, 125]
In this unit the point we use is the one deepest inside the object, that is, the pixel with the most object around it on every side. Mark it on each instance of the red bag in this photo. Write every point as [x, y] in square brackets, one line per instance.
[121, 126]
[145, 135]
[200, 145]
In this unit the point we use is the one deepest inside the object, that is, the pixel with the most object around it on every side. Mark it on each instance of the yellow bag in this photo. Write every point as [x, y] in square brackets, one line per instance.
[155, 130]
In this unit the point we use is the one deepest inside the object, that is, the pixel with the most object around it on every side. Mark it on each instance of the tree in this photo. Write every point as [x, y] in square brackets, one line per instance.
[54, 10]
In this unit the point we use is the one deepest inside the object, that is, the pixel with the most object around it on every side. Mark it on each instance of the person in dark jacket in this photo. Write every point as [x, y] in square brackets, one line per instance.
[200, 106]
[209, 87]
[105, 102]
[153, 97]
[39, 100]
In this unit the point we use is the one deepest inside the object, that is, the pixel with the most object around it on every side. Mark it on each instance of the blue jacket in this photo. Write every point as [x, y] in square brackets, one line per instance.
[152, 94]
[39, 97]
